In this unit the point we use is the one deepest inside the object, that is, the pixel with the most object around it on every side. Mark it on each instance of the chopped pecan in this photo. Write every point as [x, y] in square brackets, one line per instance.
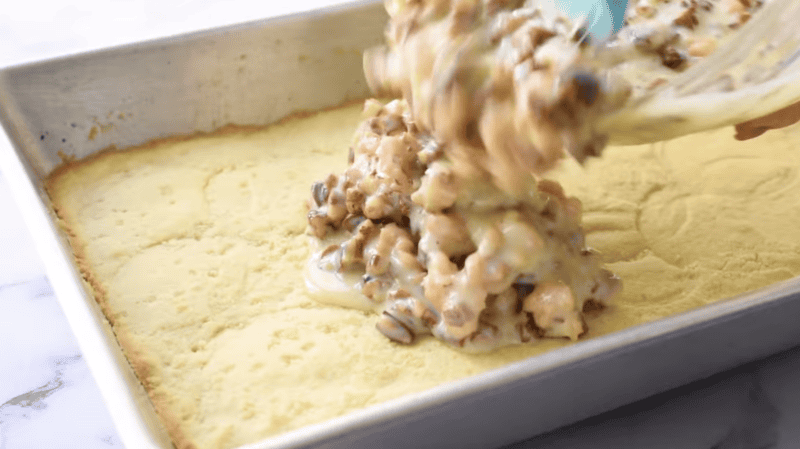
[394, 330]
[688, 17]
[318, 221]
[672, 58]
[319, 192]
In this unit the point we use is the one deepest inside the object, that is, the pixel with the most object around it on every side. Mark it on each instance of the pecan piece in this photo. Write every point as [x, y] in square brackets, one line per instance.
[688, 18]
[394, 330]
[672, 58]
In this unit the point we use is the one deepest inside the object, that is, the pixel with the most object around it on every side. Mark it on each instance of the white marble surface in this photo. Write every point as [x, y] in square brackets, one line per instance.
[48, 398]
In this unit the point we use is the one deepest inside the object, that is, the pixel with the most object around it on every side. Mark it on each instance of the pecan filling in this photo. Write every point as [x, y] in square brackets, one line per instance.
[442, 221]
[439, 253]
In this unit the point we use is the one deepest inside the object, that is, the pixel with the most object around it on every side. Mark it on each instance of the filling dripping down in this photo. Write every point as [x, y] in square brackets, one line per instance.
[511, 84]
[441, 223]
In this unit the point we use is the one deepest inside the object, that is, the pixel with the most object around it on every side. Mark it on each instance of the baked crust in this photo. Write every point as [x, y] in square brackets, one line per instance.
[649, 209]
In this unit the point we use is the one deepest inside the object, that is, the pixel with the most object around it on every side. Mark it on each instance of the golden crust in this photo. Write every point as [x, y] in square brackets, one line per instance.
[133, 353]
[650, 211]
[140, 363]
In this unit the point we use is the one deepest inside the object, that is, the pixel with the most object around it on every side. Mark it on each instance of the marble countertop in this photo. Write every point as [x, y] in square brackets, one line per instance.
[48, 398]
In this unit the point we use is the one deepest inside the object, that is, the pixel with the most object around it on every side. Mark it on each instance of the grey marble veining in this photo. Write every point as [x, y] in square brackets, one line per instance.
[48, 398]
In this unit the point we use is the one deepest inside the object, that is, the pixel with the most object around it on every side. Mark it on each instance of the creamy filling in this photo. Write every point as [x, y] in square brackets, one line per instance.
[509, 84]
[440, 221]
[662, 38]
[402, 233]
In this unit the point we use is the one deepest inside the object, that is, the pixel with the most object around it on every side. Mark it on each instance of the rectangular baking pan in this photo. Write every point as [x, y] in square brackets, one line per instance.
[254, 74]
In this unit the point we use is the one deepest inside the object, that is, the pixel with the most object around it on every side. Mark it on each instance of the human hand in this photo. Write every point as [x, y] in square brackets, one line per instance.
[778, 119]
